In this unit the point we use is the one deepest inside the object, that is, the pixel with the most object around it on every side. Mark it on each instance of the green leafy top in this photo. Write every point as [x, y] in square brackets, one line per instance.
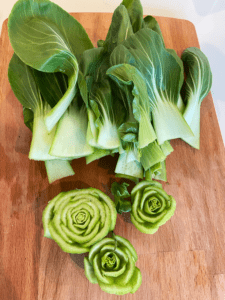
[23, 84]
[45, 36]
[198, 74]
[119, 30]
[158, 71]
[151, 23]
[135, 11]
[48, 39]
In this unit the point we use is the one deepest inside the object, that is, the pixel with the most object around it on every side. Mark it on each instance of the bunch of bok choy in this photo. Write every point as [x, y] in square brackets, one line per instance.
[123, 96]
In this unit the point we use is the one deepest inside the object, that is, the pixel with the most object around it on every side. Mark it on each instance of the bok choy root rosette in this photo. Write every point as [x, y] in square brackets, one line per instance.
[111, 264]
[151, 206]
[78, 219]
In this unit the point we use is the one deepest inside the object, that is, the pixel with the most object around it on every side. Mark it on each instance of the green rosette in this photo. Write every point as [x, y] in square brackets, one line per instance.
[111, 264]
[78, 219]
[151, 206]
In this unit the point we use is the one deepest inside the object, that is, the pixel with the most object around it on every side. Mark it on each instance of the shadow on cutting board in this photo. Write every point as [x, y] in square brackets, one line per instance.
[78, 259]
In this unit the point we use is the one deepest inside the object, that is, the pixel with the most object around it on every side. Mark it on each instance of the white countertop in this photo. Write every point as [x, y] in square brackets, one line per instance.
[208, 16]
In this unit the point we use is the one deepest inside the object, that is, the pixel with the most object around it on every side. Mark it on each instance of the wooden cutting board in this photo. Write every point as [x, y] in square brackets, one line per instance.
[185, 259]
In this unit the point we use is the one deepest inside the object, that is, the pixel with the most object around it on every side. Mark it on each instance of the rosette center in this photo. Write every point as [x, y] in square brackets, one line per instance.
[80, 217]
[109, 261]
[152, 205]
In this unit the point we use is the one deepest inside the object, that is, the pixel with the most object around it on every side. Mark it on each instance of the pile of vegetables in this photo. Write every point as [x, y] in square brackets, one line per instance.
[129, 95]
[81, 221]
[126, 96]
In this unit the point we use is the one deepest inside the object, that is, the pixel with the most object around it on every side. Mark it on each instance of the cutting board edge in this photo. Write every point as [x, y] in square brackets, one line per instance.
[5, 22]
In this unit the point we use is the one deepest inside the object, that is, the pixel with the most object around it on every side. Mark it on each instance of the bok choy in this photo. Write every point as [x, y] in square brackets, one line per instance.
[161, 73]
[197, 86]
[47, 38]
[128, 95]
[102, 108]
[23, 81]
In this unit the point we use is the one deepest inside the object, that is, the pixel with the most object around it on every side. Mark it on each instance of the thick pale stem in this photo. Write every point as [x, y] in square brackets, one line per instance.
[108, 136]
[41, 138]
[131, 168]
[169, 123]
[71, 132]
[192, 116]
[180, 104]
[57, 169]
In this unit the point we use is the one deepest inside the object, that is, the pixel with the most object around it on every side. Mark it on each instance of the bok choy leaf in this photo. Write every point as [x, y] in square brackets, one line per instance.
[197, 86]
[128, 165]
[105, 135]
[125, 74]
[119, 30]
[151, 155]
[120, 192]
[98, 95]
[48, 39]
[28, 117]
[151, 23]
[135, 12]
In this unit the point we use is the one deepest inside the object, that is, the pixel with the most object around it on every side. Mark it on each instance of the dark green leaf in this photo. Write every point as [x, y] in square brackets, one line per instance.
[52, 85]
[135, 11]
[151, 23]
[179, 61]
[198, 73]
[22, 81]
[127, 75]
[197, 86]
[28, 117]
[100, 43]
[120, 192]
[123, 206]
[129, 127]
[119, 30]
[91, 60]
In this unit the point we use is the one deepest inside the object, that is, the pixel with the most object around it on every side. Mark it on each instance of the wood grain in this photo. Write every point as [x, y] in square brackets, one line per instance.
[185, 259]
